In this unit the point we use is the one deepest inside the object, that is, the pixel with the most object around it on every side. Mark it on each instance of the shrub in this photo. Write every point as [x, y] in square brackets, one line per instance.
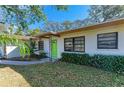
[109, 63]
[43, 54]
[76, 58]
[35, 56]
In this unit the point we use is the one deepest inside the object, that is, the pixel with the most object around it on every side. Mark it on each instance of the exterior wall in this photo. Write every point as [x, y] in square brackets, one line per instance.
[12, 51]
[91, 40]
[46, 46]
[1, 52]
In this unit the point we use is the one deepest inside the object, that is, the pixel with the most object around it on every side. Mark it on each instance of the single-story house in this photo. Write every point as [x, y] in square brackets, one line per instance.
[105, 38]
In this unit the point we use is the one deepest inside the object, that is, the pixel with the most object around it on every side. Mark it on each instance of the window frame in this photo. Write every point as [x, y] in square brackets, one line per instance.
[65, 42]
[39, 47]
[73, 43]
[116, 41]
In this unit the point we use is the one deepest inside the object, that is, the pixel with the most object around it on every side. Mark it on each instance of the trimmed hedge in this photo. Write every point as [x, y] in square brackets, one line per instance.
[109, 63]
[81, 59]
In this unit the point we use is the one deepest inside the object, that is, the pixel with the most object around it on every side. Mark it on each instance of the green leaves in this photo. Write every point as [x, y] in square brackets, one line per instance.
[24, 15]
[102, 13]
[109, 63]
[62, 7]
[13, 40]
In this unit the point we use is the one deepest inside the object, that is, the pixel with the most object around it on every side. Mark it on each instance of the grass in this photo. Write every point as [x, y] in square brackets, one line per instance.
[58, 74]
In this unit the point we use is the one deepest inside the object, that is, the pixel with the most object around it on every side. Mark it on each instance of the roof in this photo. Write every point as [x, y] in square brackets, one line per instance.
[25, 37]
[91, 27]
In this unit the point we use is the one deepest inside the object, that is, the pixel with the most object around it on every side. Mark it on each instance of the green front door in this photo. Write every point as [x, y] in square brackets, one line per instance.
[54, 49]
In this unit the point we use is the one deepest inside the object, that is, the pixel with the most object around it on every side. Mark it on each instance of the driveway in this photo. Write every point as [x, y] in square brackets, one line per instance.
[10, 62]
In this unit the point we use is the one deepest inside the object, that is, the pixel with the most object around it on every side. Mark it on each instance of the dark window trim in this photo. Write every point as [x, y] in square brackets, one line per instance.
[39, 47]
[73, 43]
[116, 45]
[64, 43]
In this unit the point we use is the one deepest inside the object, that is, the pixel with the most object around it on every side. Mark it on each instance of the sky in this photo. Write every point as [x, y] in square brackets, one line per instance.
[74, 12]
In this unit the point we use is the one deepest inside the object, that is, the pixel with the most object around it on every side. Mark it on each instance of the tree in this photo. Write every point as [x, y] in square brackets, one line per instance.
[19, 32]
[57, 26]
[102, 13]
[67, 25]
[24, 15]
[33, 32]
[52, 26]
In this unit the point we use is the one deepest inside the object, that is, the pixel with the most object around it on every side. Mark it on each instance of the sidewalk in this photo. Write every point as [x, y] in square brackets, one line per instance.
[10, 62]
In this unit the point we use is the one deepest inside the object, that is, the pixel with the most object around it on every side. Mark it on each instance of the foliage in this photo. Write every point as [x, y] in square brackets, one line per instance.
[19, 32]
[57, 26]
[24, 15]
[67, 25]
[61, 7]
[52, 26]
[75, 58]
[102, 13]
[33, 32]
[96, 14]
[43, 54]
[36, 56]
[31, 44]
[109, 63]
[13, 40]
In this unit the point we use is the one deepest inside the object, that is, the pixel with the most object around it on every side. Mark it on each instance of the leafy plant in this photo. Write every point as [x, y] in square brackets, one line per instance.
[75, 58]
[43, 54]
[109, 63]
[6, 39]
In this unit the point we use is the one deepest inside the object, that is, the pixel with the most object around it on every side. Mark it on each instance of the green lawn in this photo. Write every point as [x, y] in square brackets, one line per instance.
[57, 74]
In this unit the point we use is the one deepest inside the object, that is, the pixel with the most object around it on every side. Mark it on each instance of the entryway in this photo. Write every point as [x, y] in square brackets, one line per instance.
[54, 49]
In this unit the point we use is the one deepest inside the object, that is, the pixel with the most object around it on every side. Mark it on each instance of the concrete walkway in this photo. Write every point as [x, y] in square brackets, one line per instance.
[10, 62]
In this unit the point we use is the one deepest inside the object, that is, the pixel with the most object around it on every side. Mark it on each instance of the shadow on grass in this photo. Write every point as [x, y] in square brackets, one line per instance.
[36, 75]
[30, 73]
[62, 74]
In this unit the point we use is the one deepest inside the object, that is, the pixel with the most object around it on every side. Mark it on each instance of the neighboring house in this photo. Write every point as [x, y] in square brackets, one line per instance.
[105, 38]
[14, 51]
[11, 50]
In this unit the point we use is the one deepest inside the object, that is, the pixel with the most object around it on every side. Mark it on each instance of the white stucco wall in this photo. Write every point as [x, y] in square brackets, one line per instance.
[91, 40]
[12, 51]
[1, 51]
[46, 46]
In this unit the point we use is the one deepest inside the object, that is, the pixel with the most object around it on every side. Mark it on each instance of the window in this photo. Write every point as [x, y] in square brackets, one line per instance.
[107, 41]
[41, 45]
[68, 44]
[75, 44]
[79, 44]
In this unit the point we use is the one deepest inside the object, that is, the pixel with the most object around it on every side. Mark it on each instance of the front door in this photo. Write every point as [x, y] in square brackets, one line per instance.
[54, 49]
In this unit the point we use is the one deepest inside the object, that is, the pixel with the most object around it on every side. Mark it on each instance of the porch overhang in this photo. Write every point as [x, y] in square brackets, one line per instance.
[47, 35]
[25, 38]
